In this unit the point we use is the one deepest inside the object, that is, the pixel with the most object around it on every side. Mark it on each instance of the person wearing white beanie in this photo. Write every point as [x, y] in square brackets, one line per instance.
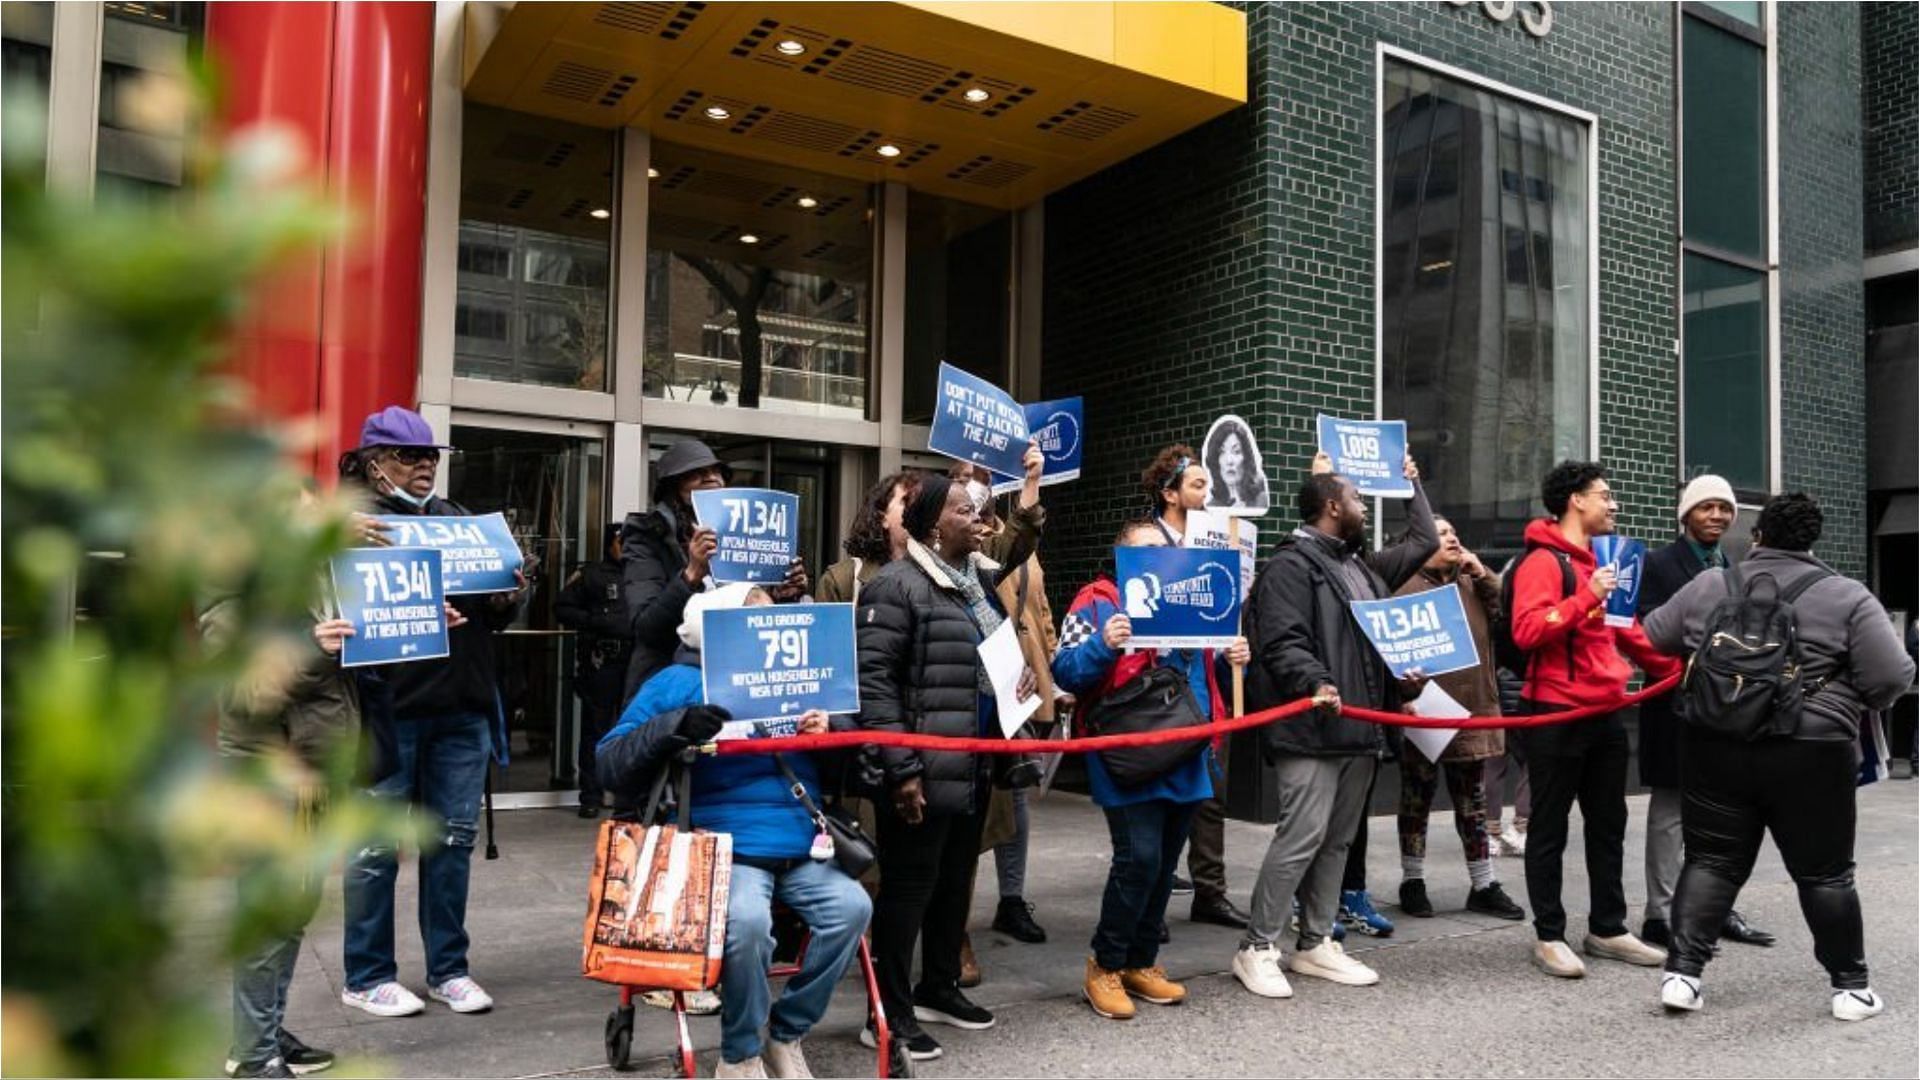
[724, 598]
[1706, 511]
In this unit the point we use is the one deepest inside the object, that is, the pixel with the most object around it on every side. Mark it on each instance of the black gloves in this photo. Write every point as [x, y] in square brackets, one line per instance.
[700, 723]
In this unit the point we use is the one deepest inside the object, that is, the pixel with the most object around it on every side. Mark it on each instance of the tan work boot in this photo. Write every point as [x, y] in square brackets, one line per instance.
[1152, 984]
[1105, 993]
[1625, 948]
[1555, 958]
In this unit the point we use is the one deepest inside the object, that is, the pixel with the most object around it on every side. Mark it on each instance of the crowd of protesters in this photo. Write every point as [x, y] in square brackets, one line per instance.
[933, 568]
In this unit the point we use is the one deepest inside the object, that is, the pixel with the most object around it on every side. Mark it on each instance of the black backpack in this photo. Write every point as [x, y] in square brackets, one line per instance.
[1745, 680]
[1506, 652]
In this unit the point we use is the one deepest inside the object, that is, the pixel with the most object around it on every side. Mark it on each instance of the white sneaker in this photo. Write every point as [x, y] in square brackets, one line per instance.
[1856, 1004]
[1258, 969]
[1329, 961]
[462, 995]
[751, 1069]
[387, 999]
[1679, 993]
[786, 1061]
[1513, 844]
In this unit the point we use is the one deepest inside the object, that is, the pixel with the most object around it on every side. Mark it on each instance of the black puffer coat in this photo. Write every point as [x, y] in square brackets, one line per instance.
[920, 673]
[655, 589]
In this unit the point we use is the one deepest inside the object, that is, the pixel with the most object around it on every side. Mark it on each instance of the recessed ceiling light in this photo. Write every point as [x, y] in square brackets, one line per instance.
[600, 212]
[888, 150]
[715, 112]
[749, 238]
[791, 47]
[653, 173]
[976, 95]
[806, 202]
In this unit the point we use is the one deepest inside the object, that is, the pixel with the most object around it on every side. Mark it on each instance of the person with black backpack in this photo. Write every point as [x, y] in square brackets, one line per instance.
[1570, 657]
[1150, 795]
[1785, 656]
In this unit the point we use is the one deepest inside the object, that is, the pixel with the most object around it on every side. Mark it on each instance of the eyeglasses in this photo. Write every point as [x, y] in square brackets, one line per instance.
[415, 455]
[1604, 495]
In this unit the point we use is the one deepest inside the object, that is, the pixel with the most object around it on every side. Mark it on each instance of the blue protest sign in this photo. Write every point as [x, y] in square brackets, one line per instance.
[481, 553]
[1626, 557]
[758, 532]
[395, 600]
[1371, 453]
[1427, 631]
[976, 421]
[1056, 427]
[779, 661]
[1179, 598]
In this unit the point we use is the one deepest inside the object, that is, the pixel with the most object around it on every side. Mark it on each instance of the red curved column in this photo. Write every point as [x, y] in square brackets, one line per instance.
[337, 335]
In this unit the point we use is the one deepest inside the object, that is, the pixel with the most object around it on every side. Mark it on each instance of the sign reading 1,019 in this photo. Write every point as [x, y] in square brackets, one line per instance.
[1536, 16]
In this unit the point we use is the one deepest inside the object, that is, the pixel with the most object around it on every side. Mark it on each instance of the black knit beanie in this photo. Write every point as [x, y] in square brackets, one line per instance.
[922, 514]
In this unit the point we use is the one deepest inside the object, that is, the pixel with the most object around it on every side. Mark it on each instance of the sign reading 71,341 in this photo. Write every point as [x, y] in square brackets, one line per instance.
[393, 598]
[757, 530]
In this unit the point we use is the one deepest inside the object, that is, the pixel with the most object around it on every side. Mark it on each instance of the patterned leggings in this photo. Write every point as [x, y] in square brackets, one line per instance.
[1465, 786]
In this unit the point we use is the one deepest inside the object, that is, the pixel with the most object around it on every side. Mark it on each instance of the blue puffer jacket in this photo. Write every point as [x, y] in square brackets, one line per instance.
[744, 795]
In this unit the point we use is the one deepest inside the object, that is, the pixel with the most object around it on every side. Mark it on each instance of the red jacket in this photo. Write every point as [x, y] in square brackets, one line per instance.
[1542, 619]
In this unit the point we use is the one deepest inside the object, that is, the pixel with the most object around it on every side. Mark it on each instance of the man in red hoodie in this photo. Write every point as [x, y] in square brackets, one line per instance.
[1574, 660]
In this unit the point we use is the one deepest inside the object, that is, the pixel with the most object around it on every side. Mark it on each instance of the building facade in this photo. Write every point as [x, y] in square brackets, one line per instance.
[1660, 234]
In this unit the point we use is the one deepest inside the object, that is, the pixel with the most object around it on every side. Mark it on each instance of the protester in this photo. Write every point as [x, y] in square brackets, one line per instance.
[1559, 597]
[1508, 838]
[435, 723]
[1306, 642]
[1798, 786]
[1148, 822]
[748, 797]
[1176, 482]
[590, 605]
[1706, 510]
[874, 539]
[314, 720]
[921, 621]
[1464, 760]
[666, 557]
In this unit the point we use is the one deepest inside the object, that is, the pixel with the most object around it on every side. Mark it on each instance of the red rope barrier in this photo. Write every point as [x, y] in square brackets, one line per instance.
[841, 740]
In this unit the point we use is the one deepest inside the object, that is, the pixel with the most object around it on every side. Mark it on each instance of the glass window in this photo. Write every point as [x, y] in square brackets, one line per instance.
[758, 285]
[535, 259]
[1486, 292]
[1747, 11]
[144, 50]
[1723, 111]
[959, 269]
[1725, 312]
[26, 65]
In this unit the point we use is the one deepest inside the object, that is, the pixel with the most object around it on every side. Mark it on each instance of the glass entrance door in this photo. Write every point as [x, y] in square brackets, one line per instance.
[551, 488]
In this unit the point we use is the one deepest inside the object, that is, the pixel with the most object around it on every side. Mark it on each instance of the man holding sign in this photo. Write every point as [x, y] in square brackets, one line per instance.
[1367, 452]
[1306, 643]
[434, 738]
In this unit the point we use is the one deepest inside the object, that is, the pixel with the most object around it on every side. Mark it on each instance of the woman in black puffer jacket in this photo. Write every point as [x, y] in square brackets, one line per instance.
[921, 622]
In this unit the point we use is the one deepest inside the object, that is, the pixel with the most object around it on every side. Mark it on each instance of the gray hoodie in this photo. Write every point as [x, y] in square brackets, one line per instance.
[1844, 633]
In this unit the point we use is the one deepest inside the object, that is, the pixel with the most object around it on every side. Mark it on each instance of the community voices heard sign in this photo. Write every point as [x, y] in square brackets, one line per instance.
[480, 552]
[1055, 426]
[1179, 598]
[1627, 557]
[757, 530]
[976, 421]
[1371, 453]
[768, 665]
[394, 599]
[1423, 632]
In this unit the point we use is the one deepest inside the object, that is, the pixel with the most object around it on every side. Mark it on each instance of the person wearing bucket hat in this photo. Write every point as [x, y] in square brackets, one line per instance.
[665, 557]
[433, 723]
[1706, 512]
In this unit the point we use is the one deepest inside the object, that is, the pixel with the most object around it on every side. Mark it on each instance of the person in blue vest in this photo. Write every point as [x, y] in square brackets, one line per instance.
[774, 854]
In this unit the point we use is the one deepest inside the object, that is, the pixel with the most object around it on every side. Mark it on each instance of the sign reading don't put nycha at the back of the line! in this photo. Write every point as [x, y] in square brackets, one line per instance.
[977, 422]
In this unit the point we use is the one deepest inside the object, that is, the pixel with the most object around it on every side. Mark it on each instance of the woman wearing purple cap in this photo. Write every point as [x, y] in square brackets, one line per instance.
[432, 722]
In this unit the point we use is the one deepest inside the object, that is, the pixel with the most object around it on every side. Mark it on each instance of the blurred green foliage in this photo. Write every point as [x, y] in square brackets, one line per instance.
[138, 487]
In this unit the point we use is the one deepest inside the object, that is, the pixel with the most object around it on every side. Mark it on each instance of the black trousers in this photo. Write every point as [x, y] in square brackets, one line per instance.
[926, 878]
[1207, 849]
[596, 719]
[1583, 762]
[1802, 793]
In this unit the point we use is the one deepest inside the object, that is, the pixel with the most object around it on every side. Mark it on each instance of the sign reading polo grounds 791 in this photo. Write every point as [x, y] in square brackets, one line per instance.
[1180, 598]
[767, 665]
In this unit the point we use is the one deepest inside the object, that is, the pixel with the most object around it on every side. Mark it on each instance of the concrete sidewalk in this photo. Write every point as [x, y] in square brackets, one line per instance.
[1457, 994]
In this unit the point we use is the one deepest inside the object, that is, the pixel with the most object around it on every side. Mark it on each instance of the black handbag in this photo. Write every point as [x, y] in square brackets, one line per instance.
[853, 852]
[1158, 700]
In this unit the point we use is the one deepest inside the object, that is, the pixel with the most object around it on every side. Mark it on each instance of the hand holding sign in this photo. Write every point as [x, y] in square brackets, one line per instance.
[754, 530]
[779, 663]
[1055, 431]
[481, 555]
[393, 600]
[977, 422]
[1419, 635]
[1179, 598]
[1371, 453]
[1620, 561]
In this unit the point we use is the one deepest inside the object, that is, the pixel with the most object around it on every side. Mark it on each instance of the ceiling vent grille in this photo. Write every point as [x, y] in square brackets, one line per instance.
[805, 132]
[889, 72]
[730, 187]
[577, 82]
[990, 172]
[666, 21]
[1085, 120]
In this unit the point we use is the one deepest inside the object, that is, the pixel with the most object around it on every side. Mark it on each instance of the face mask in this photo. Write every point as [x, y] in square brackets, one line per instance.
[979, 494]
[418, 502]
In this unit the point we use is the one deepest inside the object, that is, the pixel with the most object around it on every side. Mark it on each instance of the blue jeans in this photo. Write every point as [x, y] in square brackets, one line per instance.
[1147, 838]
[262, 976]
[834, 907]
[440, 764]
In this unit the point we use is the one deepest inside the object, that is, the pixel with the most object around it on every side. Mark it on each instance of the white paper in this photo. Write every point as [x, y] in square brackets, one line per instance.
[1212, 529]
[1438, 704]
[1001, 653]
